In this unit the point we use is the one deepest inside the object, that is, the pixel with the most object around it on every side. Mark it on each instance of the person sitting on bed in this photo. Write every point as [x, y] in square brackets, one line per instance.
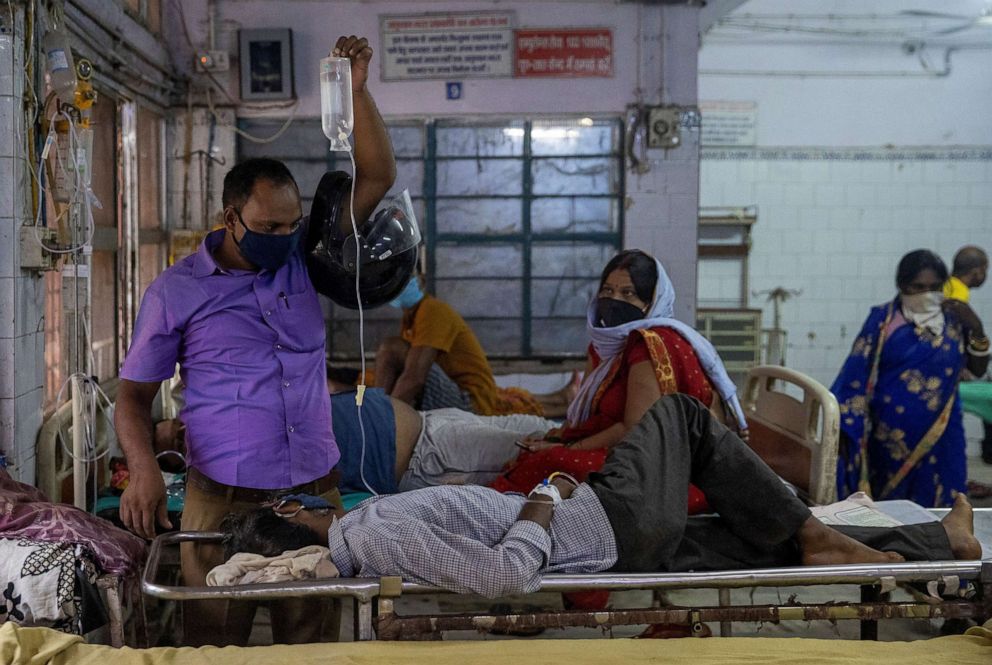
[637, 353]
[405, 449]
[628, 517]
[437, 362]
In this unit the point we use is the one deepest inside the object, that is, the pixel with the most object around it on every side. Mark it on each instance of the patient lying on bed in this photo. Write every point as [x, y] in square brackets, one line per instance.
[630, 517]
[407, 449]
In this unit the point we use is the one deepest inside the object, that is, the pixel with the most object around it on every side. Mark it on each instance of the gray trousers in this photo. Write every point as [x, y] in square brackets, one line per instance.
[460, 448]
[644, 488]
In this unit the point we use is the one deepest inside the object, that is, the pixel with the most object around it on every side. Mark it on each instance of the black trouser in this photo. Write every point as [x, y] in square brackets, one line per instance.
[644, 488]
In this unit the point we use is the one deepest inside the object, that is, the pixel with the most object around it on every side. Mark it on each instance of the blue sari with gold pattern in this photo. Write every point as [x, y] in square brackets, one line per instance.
[902, 435]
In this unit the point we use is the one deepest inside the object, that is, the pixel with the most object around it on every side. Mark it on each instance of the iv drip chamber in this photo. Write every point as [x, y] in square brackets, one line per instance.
[337, 114]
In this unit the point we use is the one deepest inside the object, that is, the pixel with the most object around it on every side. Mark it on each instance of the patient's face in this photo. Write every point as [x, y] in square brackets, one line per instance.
[619, 286]
[925, 280]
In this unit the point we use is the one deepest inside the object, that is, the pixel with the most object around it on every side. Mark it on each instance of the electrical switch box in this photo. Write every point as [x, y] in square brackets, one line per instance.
[663, 126]
[33, 255]
[212, 61]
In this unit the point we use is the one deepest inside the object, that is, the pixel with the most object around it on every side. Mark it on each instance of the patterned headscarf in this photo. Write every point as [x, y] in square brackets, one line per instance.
[610, 342]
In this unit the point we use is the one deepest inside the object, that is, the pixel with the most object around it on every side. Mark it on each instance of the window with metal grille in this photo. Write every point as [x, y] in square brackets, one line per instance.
[519, 218]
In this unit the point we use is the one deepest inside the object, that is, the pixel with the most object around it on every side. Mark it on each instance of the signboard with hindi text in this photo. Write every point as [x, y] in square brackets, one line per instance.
[728, 123]
[446, 46]
[563, 53]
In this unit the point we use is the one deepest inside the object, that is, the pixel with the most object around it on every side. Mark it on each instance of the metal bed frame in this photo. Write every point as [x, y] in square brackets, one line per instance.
[374, 611]
[796, 435]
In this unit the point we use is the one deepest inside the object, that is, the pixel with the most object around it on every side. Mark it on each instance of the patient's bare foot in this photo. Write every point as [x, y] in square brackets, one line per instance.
[823, 546]
[960, 527]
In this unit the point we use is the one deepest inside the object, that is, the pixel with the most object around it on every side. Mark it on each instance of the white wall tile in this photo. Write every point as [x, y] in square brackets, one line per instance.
[939, 171]
[768, 193]
[907, 172]
[8, 208]
[798, 194]
[738, 193]
[968, 218]
[796, 242]
[784, 171]
[7, 369]
[24, 361]
[842, 247]
[814, 171]
[7, 51]
[8, 416]
[980, 195]
[7, 311]
[969, 172]
[952, 194]
[25, 470]
[860, 194]
[829, 194]
[8, 235]
[889, 194]
[922, 195]
[875, 171]
[28, 414]
[29, 301]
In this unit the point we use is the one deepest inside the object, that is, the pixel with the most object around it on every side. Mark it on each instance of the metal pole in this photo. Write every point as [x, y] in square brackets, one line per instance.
[363, 620]
[78, 446]
[726, 629]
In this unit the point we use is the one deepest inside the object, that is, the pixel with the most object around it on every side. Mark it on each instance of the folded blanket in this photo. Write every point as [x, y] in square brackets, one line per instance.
[25, 512]
[312, 562]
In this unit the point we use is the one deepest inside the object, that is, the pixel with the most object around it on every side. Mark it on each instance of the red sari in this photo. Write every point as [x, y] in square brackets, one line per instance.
[677, 370]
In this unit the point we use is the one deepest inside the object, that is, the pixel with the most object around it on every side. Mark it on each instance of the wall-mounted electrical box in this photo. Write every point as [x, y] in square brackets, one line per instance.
[663, 126]
[33, 255]
[212, 61]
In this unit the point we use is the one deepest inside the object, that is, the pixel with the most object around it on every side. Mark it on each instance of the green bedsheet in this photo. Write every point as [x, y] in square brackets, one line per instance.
[976, 397]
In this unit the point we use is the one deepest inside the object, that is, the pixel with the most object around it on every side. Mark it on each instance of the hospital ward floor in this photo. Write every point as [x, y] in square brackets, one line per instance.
[890, 630]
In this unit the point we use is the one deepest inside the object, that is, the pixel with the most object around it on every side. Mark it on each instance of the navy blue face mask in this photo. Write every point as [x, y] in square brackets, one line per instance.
[267, 250]
[611, 312]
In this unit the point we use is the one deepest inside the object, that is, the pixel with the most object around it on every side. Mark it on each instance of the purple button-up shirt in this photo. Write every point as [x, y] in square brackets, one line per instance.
[251, 352]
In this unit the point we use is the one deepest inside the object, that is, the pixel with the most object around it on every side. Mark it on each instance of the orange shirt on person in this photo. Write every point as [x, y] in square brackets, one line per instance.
[437, 325]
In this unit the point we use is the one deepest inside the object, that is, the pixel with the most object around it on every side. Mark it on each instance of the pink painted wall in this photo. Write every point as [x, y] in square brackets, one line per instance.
[316, 25]
[655, 52]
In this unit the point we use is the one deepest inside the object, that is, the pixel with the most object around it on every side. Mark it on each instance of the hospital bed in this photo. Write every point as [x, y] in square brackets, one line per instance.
[55, 471]
[794, 425]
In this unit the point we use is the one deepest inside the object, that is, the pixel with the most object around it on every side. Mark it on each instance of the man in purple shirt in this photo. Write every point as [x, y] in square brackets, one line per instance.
[242, 319]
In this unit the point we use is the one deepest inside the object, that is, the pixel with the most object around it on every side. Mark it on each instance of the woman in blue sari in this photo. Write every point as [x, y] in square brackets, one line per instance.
[902, 435]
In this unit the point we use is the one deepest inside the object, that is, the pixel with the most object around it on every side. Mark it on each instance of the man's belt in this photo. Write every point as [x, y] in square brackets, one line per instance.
[252, 495]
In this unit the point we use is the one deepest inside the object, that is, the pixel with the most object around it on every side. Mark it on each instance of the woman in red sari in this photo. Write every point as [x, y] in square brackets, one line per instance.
[637, 354]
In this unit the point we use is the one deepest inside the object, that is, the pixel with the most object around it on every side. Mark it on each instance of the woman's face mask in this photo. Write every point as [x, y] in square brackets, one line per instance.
[611, 312]
[409, 296]
[925, 303]
[268, 250]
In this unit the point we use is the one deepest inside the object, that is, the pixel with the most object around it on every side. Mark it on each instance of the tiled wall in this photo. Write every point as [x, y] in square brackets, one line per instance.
[21, 293]
[835, 222]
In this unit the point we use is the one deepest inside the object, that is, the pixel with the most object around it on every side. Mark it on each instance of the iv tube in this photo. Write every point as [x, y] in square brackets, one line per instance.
[337, 115]
[337, 118]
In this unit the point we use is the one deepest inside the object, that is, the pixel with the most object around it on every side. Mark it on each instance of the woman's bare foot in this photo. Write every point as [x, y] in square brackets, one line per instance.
[572, 389]
[960, 527]
[555, 404]
[822, 546]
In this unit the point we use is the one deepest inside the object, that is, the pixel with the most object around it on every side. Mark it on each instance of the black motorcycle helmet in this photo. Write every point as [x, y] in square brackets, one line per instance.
[384, 255]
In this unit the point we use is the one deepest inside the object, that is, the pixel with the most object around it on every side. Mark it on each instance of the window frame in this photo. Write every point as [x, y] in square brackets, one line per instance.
[525, 238]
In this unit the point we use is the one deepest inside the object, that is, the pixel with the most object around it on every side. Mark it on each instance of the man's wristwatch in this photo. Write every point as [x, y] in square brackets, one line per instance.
[548, 490]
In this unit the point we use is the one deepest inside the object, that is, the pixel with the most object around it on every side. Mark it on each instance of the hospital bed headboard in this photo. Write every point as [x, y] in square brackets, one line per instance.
[54, 465]
[794, 423]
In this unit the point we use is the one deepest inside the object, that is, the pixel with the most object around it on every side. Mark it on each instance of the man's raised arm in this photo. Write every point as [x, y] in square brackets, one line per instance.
[374, 163]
